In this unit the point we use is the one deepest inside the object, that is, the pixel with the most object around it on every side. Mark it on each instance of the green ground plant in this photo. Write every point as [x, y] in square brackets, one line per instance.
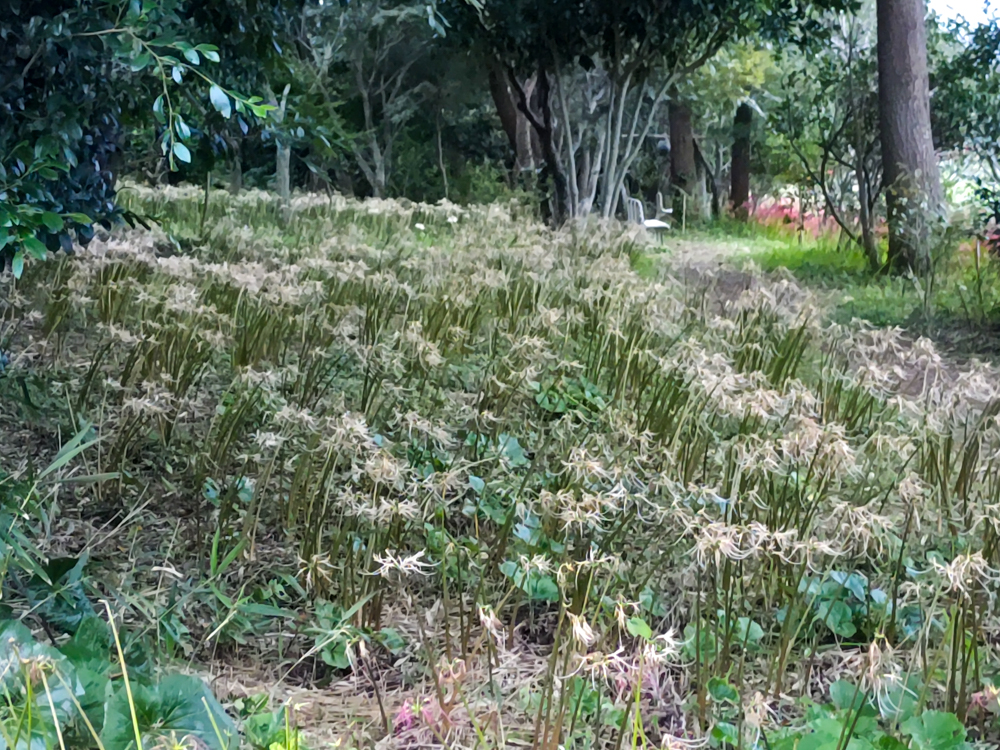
[507, 488]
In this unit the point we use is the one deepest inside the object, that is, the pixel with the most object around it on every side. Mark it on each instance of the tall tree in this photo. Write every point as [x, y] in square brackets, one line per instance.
[683, 165]
[642, 46]
[523, 140]
[740, 171]
[827, 117]
[913, 183]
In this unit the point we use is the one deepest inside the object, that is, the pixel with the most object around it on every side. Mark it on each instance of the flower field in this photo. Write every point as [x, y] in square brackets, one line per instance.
[488, 486]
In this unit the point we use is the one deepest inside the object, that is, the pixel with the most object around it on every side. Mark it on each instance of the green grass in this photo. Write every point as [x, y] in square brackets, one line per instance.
[959, 307]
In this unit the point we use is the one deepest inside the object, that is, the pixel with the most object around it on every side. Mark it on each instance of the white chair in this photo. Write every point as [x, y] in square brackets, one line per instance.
[660, 209]
[636, 212]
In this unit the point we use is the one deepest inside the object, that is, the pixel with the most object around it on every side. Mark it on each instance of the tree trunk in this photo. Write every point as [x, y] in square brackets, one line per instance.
[515, 124]
[544, 129]
[914, 199]
[236, 174]
[702, 208]
[440, 150]
[869, 243]
[709, 182]
[740, 170]
[683, 166]
[235, 164]
[536, 106]
[283, 160]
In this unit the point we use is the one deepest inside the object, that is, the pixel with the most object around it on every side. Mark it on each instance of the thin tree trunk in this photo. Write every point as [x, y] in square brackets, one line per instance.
[235, 168]
[440, 149]
[868, 242]
[546, 138]
[284, 173]
[740, 169]
[593, 172]
[634, 144]
[702, 201]
[283, 162]
[914, 199]
[505, 102]
[609, 201]
[708, 184]
[572, 176]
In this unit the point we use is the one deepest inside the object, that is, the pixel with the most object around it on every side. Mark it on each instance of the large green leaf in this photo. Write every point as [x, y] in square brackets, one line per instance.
[90, 646]
[177, 706]
[847, 696]
[936, 730]
[63, 603]
[21, 657]
[89, 653]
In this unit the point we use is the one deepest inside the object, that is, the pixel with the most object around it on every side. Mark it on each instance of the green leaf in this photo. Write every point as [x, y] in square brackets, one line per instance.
[74, 446]
[52, 221]
[176, 74]
[392, 640]
[178, 705]
[335, 654]
[36, 248]
[724, 732]
[261, 110]
[846, 696]
[544, 588]
[900, 699]
[722, 692]
[181, 152]
[88, 651]
[90, 645]
[210, 51]
[141, 62]
[158, 109]
[63, 602]
[511, 449]
[220, 101]
[17, 264]
[477, 484]
[78, 218]
[17, 648]
[936, 730]
[747, 632]
[638, 628]
[265, 610]
[837, 616]
[192, 57]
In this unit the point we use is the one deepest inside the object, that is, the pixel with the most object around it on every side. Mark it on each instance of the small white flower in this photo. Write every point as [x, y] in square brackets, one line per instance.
[582, 632]
[419, 226]
[414, 564]
[453, 220]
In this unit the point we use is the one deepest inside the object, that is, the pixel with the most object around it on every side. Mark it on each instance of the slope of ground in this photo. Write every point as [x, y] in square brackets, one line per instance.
[441, 477]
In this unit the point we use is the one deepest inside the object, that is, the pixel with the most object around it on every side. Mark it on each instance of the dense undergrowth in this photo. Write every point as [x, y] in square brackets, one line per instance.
[500, 486]
[958, 306]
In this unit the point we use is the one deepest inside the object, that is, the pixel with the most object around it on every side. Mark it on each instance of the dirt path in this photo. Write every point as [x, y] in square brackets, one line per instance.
[703, 253]
[919, 367]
